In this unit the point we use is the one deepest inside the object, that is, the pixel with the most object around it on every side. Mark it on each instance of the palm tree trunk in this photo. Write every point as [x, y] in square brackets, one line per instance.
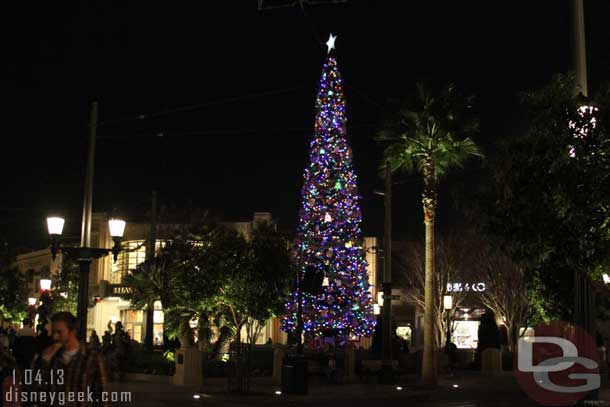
[428, 365]
[429, 199]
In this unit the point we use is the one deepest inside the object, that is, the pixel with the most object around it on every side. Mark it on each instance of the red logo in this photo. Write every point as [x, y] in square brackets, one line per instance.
[558, 365]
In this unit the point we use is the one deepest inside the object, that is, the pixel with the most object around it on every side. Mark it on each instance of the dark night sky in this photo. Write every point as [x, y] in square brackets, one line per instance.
[238, 153]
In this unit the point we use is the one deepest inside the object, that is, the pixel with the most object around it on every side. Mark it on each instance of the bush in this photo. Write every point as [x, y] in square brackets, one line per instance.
[140, 360]
[170, 355]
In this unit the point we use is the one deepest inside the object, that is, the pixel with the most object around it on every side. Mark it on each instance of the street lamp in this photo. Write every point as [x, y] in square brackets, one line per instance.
[45, 284]
[84, 256]
[55, 225]
[31, 301]
[447, 302]
[448, 305]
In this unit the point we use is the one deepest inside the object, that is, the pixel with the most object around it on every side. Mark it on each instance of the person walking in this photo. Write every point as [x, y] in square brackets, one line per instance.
[12, 335]
[120, 350]
[331, 370]
[452, 355]
[43, 340]
[94, 341]
[24, 348]
[8, 371]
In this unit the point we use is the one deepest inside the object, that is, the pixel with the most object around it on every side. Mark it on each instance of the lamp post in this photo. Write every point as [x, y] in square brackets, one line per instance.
[584, 294]
[387, 373]
[84, 256]
[448, 305]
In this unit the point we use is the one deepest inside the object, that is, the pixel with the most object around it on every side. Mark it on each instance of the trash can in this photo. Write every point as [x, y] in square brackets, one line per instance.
[294, 374]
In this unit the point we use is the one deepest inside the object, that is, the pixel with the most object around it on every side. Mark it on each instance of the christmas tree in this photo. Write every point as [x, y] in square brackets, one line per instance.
[333, 282]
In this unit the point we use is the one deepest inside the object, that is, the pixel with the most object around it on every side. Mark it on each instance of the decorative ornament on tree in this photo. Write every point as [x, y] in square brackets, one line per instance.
[329, 239]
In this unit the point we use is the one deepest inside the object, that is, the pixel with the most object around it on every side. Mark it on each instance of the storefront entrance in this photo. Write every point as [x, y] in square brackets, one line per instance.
[133, 323]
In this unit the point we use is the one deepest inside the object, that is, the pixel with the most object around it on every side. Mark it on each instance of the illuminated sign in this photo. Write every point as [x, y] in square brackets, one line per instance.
[459, 287]
[121, 289]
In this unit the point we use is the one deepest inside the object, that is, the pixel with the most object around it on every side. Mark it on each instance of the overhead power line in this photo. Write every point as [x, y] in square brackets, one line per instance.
[223, 101]
[221, 132]
[270, 5]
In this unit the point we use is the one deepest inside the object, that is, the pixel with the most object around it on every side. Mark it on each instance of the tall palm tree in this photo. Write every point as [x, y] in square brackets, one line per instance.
[430, 137]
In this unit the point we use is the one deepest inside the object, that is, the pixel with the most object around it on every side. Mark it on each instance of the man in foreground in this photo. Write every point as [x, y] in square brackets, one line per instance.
[68, 367]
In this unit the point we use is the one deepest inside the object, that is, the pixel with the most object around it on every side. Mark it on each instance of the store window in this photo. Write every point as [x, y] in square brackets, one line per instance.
[466, 334]
[133, 254]
[133, 323]
[158, 319]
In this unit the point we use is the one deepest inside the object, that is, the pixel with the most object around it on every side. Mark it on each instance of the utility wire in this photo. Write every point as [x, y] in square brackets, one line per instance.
[298, 3]
[221, 132]
[204, 105]
[365, 97]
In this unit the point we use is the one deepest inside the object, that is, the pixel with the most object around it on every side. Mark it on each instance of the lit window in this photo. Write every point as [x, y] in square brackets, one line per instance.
[158, 317]
[129, 259]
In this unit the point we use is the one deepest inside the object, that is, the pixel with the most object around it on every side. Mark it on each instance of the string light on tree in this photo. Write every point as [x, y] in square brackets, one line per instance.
[329, 241]
[583, 125]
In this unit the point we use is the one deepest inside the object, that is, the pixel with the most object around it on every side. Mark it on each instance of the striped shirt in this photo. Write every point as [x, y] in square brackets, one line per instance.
[84, 373]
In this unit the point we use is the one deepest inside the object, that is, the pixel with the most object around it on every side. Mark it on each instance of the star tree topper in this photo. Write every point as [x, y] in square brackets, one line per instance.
[331, 42]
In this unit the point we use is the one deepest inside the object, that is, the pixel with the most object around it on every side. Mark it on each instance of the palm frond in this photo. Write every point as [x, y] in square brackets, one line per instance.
[433, 129]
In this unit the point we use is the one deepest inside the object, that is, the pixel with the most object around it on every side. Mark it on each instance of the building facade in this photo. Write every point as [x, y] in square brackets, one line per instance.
[106, 280]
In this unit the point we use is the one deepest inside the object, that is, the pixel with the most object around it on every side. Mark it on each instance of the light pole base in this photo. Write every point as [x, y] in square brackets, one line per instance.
[387, 375]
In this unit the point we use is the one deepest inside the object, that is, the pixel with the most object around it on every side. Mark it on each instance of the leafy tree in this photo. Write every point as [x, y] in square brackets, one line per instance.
[13, 293]
[64, 288]
[270, 279]
[551, 194]
[430, 137]
[216, 276]
[174, 278]
[257, 277]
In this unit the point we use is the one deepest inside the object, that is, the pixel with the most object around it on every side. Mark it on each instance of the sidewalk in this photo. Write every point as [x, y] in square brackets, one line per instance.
[464, 389]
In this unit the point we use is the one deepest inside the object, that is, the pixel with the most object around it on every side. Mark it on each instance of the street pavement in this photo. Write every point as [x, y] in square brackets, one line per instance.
[461, 390]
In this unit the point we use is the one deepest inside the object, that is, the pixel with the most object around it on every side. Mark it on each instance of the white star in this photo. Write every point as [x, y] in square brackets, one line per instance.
[331, 42]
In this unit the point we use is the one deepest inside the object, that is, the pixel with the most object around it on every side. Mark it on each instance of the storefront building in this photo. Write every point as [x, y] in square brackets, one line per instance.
[106, 281]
